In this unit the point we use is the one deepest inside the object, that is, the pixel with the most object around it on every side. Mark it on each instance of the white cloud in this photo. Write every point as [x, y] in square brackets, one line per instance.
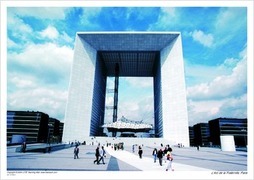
[222, 86]
[24, 81]
[53, 34]
[224, 96]
[139, 109]
[133, 103]
[229, 22]
[142, 13]
[235, 107]
[50, 101]
[50, 32]
[204, 39]
[230, 17]
[168, 17]
[26, 33]
[203, 111]
[11, 44]
[40, 12]
[109, 101]
[38, 79]
[197, 73]
[87, 18]
[110, 82]
[49, 62]
[169, 11]
[14, 22]
[66, 38]
[43, 60]
[230, 62]
[23, 29]
[140, 82]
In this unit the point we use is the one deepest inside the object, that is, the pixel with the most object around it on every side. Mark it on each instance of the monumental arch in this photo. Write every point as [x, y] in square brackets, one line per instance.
[139, 54]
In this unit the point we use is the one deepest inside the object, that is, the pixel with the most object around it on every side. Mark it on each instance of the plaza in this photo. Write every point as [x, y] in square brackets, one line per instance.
[189, 159]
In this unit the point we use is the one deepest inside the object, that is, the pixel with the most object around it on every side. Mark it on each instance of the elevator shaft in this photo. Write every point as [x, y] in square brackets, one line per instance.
[116, 92]
[115, 107]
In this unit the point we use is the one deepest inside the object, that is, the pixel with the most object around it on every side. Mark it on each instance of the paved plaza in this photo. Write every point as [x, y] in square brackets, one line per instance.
[186, 160]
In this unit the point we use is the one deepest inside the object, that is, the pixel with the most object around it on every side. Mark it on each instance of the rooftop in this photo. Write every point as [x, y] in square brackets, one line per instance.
[124, 123]
[135, 52]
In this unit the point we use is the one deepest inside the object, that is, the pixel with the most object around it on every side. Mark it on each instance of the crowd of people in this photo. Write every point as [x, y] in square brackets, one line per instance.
[100, 154]
[166, 153]
[160, 154]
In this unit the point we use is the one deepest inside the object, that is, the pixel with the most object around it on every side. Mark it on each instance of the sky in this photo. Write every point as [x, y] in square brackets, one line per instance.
[40, 46]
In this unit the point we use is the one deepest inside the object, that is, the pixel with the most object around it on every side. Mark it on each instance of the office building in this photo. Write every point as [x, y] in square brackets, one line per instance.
[28, 126]
[138, 54]
[201, 134]
[32, 127]
[229, 126]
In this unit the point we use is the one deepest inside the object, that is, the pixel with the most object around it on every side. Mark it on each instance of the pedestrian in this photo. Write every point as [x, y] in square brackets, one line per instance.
[140, 152]
[169, 159]
[165, 151]
[169, 148]
[97, 155]
[102, 155]
[154, 154]
[160, 156]
[198, 147]
[76, 152]
[133, 148]
[23, 147]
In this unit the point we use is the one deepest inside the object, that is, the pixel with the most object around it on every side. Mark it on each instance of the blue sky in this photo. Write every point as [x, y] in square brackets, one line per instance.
[40, 44]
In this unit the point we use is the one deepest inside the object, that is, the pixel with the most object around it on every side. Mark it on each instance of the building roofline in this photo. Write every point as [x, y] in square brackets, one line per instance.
[128, 32]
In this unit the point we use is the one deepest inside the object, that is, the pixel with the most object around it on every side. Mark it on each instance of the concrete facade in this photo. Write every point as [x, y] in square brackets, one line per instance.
[139, 54]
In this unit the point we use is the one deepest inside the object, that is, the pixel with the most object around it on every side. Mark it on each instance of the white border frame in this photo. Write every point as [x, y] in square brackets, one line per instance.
[135, 175]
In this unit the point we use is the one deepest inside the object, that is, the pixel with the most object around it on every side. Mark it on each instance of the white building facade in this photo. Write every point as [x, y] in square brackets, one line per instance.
[139, 54]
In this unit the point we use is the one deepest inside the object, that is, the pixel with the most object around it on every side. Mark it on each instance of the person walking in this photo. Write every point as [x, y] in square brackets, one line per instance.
[23, 147]
[76, 152]
[166, 150]
[169, 159]
[160, 156]
[155, 154]
[169, 148]
[140, 152]
[97, 155]
[102, 155]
